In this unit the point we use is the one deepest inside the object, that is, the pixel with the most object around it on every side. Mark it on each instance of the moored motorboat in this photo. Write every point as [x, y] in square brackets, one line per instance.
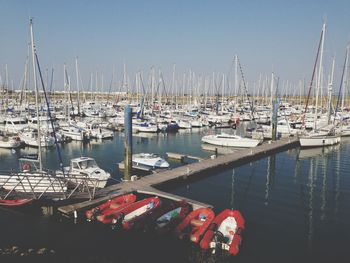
[195, 224]
[107, 208]
[85, 171]
[149, 160]
[224, 232]
[75, 133]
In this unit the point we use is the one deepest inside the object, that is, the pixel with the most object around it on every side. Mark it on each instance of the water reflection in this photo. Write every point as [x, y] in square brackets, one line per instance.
[323, 180]
[4, 153]
[337, 183]
[270, 176]
[314, 152]
[310, 201]
[232, 200]
[147, 135]
[305, 190]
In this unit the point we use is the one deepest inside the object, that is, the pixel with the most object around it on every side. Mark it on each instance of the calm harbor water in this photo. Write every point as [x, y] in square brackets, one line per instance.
[296, 206]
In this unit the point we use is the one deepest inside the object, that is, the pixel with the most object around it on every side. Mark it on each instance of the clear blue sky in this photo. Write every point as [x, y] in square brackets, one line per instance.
[200, 35]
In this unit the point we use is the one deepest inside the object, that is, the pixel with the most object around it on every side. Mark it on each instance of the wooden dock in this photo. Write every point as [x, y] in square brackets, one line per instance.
[191, 171]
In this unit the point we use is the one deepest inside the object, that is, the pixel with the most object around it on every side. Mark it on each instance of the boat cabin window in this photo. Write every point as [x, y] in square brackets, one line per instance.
[87, 164]
[224, 137]
[75, 165]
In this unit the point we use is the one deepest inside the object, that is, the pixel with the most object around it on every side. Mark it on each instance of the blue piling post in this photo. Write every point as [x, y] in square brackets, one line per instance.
[128, 142]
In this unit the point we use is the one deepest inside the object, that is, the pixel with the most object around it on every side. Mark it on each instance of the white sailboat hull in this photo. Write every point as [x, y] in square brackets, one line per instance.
[152, 128]
[319, 141]
[232, 141]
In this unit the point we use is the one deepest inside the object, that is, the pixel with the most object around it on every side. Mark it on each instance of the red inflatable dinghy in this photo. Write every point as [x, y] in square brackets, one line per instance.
[224, 232]
[113, 205]
[195, 224]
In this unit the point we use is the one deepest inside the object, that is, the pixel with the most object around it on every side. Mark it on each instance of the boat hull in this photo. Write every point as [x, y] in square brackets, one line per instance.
[231, 142]
[319, 141]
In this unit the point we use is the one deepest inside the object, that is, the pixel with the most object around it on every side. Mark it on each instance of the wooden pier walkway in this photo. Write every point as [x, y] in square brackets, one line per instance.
[193, 171]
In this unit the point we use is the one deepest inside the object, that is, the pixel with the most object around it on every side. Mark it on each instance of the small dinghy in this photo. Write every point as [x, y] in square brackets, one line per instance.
[111, 206]
[195, 224]
[127, 216]
[138, 211]
[165, 218]
[15, 202]
[224, 232]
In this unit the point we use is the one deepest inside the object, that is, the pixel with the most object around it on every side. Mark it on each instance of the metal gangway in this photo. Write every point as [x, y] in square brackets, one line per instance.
[29, 182]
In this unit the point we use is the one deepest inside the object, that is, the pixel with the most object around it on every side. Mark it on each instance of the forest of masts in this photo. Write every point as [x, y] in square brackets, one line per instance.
[188, 88]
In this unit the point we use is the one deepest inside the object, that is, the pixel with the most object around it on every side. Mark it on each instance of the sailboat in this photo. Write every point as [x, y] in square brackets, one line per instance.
[32, 178]
[325, 136]
[231, 140]
[344, 125]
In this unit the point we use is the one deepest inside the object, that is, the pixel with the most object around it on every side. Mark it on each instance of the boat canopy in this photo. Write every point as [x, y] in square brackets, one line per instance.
[83, 163]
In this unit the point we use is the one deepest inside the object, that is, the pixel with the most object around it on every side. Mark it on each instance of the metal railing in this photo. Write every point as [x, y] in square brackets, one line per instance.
[39, 184]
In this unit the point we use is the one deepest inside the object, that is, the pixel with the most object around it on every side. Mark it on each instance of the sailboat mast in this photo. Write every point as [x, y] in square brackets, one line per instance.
[319, 75]
[36, 93]
[78, 88]
[271, 97]
[345, 77]
[173, 85]
[236, 78]
[330, 89]
[222, 93]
